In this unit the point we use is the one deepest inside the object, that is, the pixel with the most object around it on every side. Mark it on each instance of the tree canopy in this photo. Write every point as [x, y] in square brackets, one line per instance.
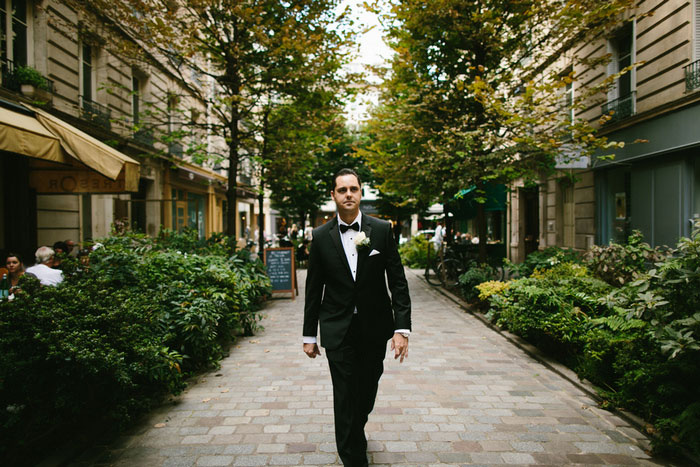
[256, 54]
[475, 92]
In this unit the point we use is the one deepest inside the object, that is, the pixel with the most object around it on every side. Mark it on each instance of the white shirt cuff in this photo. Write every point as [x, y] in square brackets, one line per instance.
[401, 331]
[309, 339]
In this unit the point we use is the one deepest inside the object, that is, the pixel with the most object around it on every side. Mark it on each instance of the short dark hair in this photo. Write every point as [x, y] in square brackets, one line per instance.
[61, 245]
[344, 171]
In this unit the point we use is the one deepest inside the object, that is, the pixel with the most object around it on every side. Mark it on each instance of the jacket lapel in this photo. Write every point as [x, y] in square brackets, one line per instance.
[335, 236]
[363, 253]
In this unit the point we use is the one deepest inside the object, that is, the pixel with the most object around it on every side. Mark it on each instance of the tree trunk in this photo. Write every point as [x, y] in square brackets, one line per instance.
[231, 193]
[481, 229]
[261, 220]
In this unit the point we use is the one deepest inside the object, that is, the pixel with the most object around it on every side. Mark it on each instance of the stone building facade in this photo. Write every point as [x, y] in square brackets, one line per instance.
[140, 109]
[652, 184]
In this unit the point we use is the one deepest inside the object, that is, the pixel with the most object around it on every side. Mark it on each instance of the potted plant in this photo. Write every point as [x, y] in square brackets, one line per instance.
[33, 84]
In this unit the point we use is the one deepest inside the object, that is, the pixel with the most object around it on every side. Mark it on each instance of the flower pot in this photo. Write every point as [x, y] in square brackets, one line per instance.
[28, 90]
[38, 95]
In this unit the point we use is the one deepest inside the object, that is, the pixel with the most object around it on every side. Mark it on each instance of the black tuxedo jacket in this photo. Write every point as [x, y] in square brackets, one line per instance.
[332, 295]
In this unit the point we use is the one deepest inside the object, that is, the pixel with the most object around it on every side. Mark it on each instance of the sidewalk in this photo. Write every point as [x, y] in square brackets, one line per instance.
[465, 396]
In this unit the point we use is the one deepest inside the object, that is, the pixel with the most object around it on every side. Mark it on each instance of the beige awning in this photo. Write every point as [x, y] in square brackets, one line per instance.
[23, 134]
[90, 151]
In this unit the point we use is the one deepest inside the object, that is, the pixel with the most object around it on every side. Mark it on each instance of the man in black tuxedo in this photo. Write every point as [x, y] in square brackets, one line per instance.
[352, 259]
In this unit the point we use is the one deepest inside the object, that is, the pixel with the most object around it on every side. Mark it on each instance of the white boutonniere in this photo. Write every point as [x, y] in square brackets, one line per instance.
[361, 241]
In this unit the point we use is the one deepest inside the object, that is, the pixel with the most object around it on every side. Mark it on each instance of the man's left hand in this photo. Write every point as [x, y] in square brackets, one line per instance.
[399, 345]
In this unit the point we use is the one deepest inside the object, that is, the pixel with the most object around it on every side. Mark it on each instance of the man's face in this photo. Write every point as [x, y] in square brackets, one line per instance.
[347, 194]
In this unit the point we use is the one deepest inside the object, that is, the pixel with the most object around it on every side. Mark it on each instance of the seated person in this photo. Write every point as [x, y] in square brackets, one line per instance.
[60, 250]
[42, 270]
[15, 269]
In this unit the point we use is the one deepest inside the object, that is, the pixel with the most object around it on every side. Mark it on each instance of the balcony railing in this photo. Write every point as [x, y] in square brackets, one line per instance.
[692, 76]
[12, 80]
[176, 149]
[96, 113]
[144, 135]
[620, 108]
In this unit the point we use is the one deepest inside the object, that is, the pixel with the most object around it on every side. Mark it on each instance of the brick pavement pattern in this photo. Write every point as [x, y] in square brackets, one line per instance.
[465, 396]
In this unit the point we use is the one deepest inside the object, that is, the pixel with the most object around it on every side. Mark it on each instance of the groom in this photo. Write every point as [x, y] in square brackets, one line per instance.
[353, 257]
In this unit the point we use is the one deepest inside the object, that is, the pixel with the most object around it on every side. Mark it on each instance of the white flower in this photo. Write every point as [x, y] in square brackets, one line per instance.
[361, 240]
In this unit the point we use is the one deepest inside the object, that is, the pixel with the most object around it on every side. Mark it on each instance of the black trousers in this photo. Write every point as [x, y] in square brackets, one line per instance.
[356, 367]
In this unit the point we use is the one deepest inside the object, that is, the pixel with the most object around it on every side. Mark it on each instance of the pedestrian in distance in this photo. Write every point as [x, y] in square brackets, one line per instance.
[352, 259]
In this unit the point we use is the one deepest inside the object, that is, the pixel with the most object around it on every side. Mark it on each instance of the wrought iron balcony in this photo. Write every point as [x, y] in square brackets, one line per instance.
[620, 108]
[14, 76]
[144, 135]
[176, 149]
[692, 76]
[96, 113]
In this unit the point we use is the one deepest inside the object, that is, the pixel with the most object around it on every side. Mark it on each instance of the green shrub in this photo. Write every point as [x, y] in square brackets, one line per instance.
[618, 264]
[543, 259]
[628, 322]
[414, 253]
[475, 275]
[117, 336]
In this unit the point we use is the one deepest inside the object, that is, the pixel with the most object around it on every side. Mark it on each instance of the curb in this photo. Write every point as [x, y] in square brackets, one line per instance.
[588, 388]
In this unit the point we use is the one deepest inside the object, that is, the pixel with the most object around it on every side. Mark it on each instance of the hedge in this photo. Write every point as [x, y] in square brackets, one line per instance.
[119, 335]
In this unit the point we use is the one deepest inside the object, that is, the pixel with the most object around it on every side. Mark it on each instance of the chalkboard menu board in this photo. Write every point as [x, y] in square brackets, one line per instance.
[281, 269]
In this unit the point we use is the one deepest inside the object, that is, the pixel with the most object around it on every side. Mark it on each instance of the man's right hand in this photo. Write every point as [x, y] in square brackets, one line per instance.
[311, 350]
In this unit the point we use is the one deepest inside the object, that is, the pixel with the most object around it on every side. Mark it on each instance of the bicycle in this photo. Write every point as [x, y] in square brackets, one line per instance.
[444, 268]
[451, 261]
[494, 262]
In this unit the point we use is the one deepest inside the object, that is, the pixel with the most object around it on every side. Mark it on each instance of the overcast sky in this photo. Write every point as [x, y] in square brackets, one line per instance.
[373, 51]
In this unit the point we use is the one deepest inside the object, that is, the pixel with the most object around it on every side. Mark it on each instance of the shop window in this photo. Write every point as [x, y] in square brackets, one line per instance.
[188, 211]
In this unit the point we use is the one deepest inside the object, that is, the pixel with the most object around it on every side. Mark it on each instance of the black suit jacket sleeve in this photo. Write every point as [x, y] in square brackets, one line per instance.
[314, 291]
[398, 286]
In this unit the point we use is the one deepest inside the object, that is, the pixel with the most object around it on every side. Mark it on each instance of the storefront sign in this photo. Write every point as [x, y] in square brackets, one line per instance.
[74, 181]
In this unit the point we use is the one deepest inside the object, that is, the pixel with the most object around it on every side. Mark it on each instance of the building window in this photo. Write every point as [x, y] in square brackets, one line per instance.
[13, 24]
[621, 102]
[135, 98]
[87, 89]
[692, 70]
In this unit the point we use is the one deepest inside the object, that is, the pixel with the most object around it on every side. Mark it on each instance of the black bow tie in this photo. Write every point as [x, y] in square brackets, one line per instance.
[344, 228]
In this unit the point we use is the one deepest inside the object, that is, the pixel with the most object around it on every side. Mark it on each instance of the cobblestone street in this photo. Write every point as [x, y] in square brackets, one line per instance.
[466, 396]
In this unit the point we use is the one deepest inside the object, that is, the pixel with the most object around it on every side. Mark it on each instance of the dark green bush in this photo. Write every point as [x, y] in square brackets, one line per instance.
[119, 335]
[475, 275]
[632, 330]
[414, 253]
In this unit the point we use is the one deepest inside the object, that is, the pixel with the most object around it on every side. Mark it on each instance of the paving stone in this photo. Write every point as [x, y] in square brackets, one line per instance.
[517, 458]
[475, 400]
[215, 460]
[317, 459]
[401, 446]
[250, 461]
[285, 459]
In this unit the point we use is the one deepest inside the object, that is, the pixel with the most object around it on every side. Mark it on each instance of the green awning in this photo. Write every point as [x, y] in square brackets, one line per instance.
[465, 204]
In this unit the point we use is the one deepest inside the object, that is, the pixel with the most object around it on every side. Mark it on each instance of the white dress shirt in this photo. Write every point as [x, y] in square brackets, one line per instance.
[45, 274]
[347, 238]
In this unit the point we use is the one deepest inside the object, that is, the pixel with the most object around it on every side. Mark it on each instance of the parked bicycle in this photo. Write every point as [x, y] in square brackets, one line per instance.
[451, 261]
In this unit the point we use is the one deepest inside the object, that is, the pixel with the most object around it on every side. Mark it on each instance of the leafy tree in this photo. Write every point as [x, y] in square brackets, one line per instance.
[473, 94]
[249, 50]
[307, 148]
